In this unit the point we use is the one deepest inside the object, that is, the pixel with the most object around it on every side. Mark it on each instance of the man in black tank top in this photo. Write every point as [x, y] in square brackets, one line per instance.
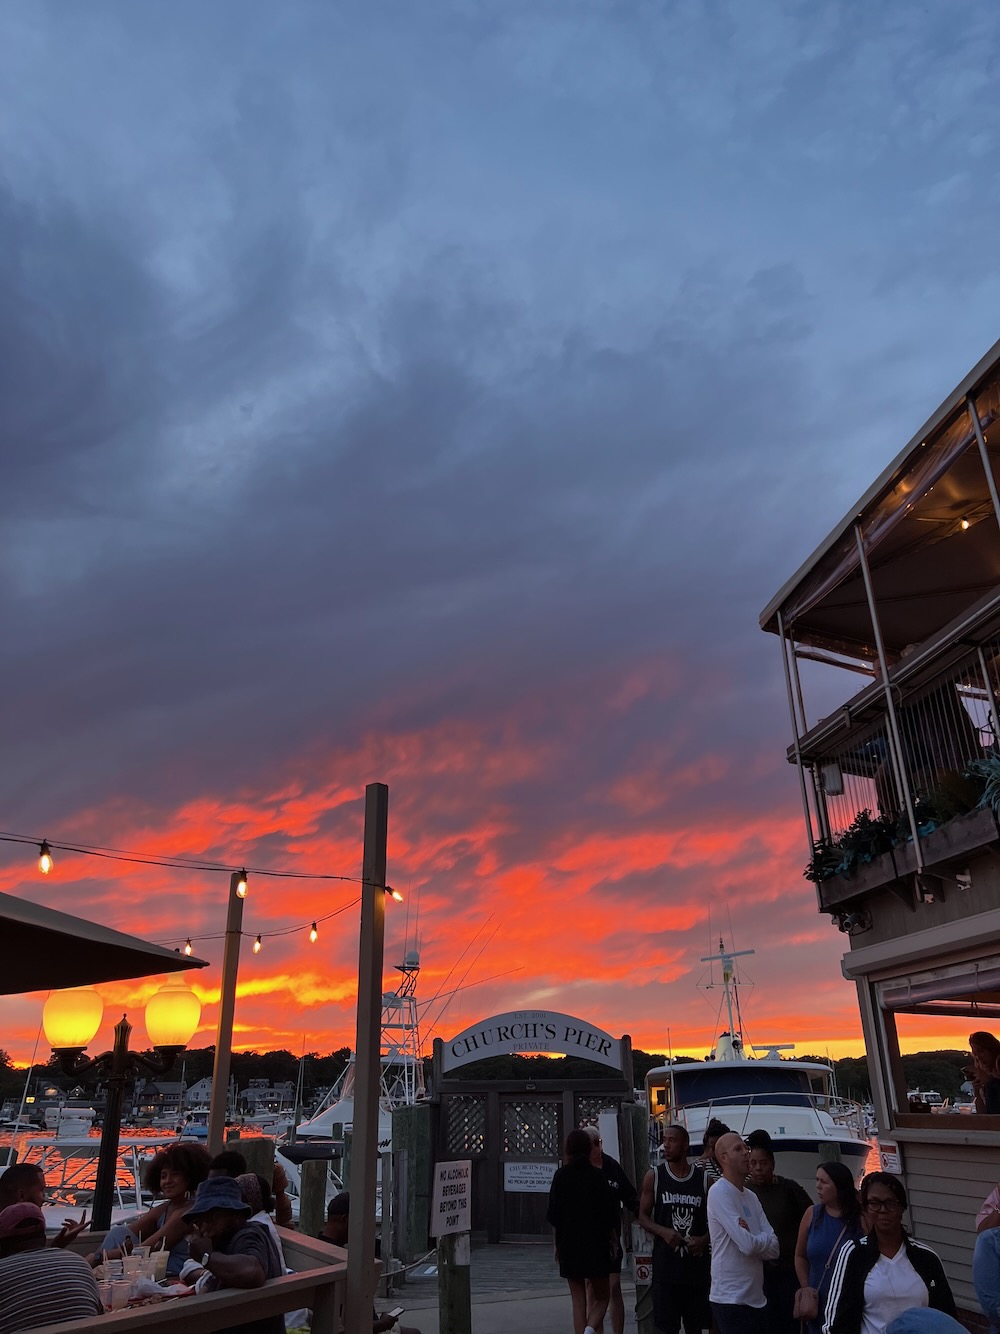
[672, 1208]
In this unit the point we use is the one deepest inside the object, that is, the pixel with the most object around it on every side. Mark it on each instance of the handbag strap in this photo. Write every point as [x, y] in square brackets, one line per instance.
[833, 1251]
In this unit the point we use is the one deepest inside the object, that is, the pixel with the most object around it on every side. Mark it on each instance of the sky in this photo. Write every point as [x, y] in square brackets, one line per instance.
[434, 394]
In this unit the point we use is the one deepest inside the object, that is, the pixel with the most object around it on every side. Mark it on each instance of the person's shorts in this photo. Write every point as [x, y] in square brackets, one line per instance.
[677, 1303]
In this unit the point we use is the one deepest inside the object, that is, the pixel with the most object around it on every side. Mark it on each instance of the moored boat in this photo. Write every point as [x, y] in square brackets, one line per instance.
[794, 1101]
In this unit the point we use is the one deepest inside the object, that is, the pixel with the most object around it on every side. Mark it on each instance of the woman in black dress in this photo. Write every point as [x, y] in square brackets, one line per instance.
[584, 1211]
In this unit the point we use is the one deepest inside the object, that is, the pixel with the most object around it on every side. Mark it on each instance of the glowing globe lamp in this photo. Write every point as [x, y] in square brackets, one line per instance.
[72, 1018]
[172, 1015]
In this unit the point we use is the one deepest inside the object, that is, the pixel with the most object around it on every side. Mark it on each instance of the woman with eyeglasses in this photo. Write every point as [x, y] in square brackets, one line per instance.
[887, 1272]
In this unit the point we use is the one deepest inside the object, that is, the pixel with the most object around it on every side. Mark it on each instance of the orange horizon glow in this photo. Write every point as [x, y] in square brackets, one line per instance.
[601, 908]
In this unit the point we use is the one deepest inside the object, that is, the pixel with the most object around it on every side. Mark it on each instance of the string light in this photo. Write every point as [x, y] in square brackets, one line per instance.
[965, 524]
[180, 863]
[176, 863]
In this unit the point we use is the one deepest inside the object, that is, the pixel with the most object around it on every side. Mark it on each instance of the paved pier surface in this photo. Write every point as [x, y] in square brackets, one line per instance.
[514, 1288]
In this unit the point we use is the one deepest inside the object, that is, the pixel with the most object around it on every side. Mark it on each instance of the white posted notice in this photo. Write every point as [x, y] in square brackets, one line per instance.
[451, 1203]
[528, 1178]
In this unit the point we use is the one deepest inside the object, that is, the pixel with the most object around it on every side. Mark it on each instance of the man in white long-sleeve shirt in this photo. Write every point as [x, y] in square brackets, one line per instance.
[742, 1239]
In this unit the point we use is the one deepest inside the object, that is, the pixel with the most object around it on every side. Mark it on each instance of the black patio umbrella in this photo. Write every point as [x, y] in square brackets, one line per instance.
[45, 950]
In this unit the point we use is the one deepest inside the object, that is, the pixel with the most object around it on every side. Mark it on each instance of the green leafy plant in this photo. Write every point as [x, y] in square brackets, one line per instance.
[987, 772]
[824, 862]
[865, 838]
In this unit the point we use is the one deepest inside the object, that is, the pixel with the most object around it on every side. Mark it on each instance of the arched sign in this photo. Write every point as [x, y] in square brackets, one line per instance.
[531, 1031]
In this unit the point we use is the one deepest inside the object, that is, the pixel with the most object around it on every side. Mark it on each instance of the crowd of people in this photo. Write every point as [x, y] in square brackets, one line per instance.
[738, 1249]
[216, 1220]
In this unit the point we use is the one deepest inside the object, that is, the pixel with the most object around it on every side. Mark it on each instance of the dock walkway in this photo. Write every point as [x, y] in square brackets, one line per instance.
[513, 1288]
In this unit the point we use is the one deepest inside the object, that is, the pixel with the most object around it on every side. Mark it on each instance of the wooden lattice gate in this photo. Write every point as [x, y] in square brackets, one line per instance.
[513, 1132]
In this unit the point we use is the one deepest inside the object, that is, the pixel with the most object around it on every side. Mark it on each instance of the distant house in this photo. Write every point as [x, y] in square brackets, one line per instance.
[260, 1096]
[199, 1093]
[160, 1099]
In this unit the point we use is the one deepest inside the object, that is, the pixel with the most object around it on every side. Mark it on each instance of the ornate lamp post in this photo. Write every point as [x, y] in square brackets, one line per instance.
[71, 1020]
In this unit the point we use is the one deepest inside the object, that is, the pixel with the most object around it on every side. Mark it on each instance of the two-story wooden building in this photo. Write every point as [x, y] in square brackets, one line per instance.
[900, 780]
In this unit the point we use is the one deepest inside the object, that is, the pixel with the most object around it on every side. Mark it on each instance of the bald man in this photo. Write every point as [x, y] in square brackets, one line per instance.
[742, 1239]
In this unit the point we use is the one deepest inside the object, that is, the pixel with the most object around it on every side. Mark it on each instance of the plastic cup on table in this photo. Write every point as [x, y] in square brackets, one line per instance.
[104, 1292]
[161, 1257]
[140, 1252]
[121, 1290]
[131, 1265]
[147, 1267]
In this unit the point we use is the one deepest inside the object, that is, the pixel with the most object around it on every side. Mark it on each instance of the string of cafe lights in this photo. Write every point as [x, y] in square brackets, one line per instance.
[268, 935]
[46, 862]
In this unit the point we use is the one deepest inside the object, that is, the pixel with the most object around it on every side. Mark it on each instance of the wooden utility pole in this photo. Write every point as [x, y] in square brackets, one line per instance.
[227, 1008]
[360, 1294]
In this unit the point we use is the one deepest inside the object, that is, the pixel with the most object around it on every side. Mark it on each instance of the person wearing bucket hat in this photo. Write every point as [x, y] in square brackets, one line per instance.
[233, 1252]
[40, 1285]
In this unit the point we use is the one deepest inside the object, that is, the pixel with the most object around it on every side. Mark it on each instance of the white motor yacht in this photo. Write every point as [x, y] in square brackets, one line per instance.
[794, 1101]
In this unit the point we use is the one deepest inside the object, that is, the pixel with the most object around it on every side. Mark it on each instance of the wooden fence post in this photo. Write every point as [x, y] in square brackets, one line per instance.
[454, 1257]
[312, 1196]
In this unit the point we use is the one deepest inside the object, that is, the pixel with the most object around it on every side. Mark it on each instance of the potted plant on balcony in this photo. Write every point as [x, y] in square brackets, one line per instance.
[867, 838]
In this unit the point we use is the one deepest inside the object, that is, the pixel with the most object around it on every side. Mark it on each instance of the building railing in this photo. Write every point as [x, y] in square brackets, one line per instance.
[873, 800]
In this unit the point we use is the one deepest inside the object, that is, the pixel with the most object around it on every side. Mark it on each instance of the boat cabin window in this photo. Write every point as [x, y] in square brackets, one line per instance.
[737, 1084]
[656, 1094]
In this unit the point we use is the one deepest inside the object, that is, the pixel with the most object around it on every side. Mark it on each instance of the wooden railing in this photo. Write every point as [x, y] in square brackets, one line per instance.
[317, 1283]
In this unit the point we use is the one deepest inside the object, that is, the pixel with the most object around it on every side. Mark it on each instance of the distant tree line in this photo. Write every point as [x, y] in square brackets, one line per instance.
[940, 1070]
[277, 1067]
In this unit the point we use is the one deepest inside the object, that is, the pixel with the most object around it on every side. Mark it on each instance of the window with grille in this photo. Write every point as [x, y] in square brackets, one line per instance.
[589, 1108]
[466, 1137]
[532, 1129]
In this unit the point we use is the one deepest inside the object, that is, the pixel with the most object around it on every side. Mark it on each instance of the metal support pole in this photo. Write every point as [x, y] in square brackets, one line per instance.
[227, 1009]
[107, 1162]
[795, 738]
[984, 454]
[895, 739]
[796, 676]
[819, 796]
[360, 1291]
[991, 698]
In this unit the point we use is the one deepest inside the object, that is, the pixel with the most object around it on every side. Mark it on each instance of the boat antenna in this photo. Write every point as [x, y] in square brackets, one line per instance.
[725, 958]
[489, 940]
[670, 1054]
[447, 977]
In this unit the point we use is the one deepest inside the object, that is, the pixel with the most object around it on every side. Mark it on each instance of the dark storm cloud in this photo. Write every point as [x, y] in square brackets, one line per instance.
[373, 367]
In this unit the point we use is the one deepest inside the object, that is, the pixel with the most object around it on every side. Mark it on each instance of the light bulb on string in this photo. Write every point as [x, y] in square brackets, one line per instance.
[313, 934]
[256, 946]
[45, 862]
[188, 947]
[965, 524]
[241, 885]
